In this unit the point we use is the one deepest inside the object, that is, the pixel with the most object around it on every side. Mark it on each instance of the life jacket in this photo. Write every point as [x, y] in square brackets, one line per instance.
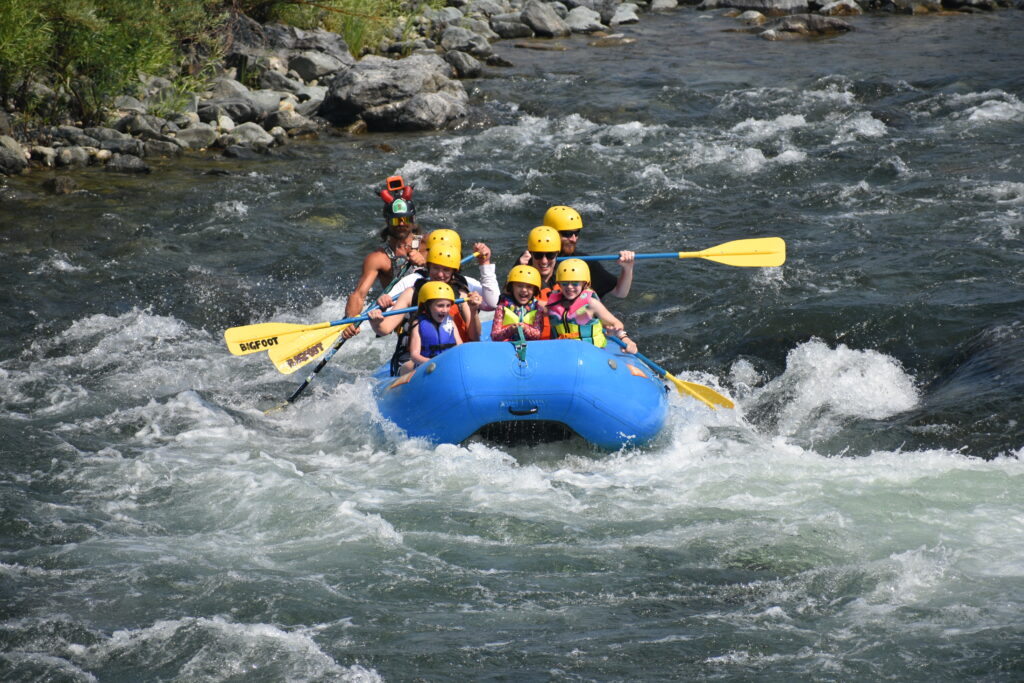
[575, 321]
[514, 312]
[545, 323]
[435, 337]
[401, 353]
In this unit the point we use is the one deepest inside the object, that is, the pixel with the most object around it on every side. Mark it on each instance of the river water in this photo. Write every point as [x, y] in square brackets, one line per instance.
[859, 516]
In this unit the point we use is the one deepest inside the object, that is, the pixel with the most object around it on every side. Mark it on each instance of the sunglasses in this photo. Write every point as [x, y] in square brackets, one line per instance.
[401, 220]
[573, 283]
[569, 233]
[542, 255]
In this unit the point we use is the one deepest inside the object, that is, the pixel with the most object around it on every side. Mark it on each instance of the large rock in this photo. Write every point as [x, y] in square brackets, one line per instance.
[247, 135]
[767, 7]
[487, 8]
[12, 156]
[416, 93]
[804, 26]
[197, 137]
[465, 65]
[510, 26]
[464, 40]
[841, 8]
[625, 14]
[584, 20]
[311, 65]
[126, 163]
[544, 21]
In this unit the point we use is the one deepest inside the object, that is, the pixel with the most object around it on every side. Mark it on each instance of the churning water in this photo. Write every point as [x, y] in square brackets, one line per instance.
[859, 516]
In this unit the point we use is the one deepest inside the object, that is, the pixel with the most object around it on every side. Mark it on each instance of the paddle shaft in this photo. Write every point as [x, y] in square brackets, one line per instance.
[661, 372]
[757, 252]
[615, 257]
[334, 349]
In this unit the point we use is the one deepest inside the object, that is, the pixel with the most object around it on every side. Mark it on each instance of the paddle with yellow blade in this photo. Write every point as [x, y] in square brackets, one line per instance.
[326, 359]
[705, 395]
[278, 337]
[759, 252]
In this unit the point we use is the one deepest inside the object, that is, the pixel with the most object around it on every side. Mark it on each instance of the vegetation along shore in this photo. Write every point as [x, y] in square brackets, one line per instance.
[119, 82]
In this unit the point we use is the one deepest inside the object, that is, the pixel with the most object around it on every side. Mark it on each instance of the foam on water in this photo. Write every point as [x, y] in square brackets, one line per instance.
[822, 388]
[206, 493]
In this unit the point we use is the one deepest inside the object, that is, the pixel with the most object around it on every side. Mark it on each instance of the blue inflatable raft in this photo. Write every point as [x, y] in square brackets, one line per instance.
[534, 391]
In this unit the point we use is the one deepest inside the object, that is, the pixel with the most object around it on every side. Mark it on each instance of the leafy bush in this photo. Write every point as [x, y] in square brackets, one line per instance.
[91, 50]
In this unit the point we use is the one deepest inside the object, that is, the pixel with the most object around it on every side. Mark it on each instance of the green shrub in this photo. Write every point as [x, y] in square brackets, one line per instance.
[91, 50]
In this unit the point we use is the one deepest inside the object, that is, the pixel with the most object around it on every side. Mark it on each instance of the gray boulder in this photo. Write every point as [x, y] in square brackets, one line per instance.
[126, 163]
[12, 156]
[766, 7]
[72, 156]
[464, 40]
[625, 14]
[101, 134]
[584, 20]
[247, 135]
[446, 16]
[487, 8]
[197, 137]
[466, 66]
[311, 65]
[237, 109]
[74, 135]
[544, 21]
[841, 8]
[130, 146]
[47, 156]
[159, 148]
[481, 27]
[663, 5]
[415, 93]
[287, 119]
[509, 26]
[799, 26]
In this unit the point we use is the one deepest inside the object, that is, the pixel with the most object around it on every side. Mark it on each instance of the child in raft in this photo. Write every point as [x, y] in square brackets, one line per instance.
[434, 331]
[517, 308]
[576, 312]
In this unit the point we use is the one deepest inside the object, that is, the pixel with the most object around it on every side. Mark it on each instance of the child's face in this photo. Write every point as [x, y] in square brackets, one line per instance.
[439, 309]
[522, 292]
[572, 288]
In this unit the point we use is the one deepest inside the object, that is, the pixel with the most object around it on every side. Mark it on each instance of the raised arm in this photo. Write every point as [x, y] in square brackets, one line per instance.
[626, 262]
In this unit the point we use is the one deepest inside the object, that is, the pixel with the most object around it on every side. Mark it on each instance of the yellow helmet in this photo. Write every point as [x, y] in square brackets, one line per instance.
[528, 275]
[435, 290]
[445, 236]
[544, 238]
[445, 255]
[563, 218]
[571, 270]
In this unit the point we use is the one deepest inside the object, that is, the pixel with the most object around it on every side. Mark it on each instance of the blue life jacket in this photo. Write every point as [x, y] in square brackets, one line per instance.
[435, 337]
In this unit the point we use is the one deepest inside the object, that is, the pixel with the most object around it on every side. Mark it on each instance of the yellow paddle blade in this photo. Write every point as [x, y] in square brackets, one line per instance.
[297, 350]
[247, 339]
[761, 252]
[705, 395]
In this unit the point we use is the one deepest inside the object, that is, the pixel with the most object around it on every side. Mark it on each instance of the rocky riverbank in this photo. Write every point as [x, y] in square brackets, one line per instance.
[308, 82]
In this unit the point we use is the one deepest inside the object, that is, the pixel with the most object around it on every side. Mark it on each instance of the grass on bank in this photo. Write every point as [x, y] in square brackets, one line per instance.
[65, 60]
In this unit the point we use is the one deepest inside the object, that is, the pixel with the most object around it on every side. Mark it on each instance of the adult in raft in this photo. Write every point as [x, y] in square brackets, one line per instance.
[568, 223]
[487, 285]
[443, 263]
[397, 256]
